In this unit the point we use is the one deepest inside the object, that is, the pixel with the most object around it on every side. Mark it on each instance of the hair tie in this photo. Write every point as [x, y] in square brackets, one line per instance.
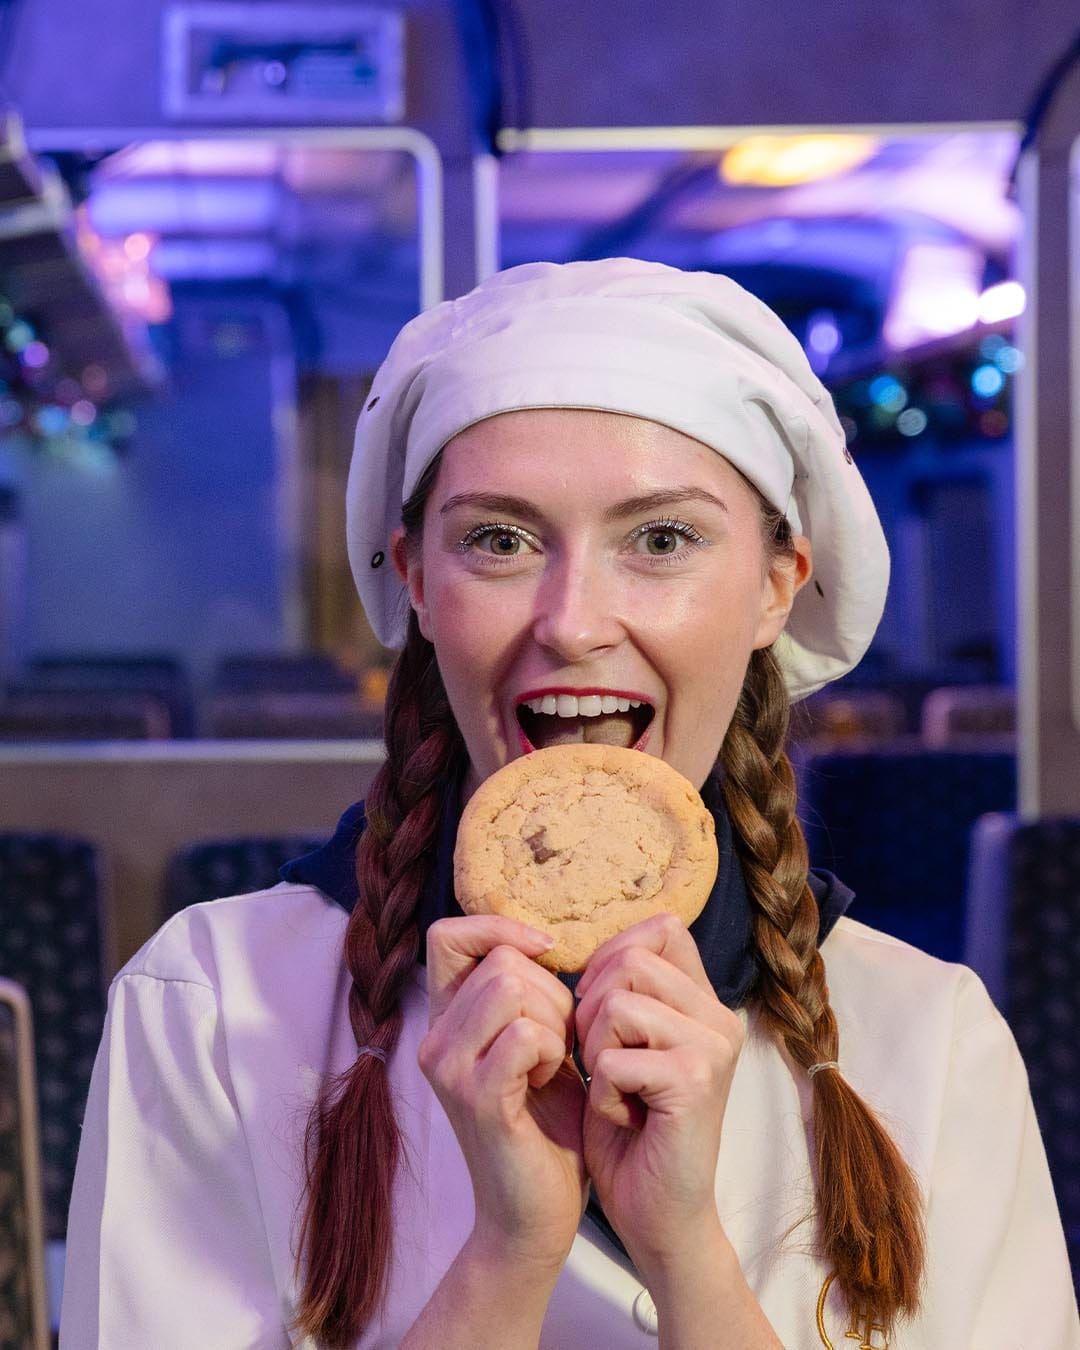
[371, 1050]
[823, 1064]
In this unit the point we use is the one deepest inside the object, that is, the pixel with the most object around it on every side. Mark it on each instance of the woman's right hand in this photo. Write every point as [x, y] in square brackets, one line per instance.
[496, 1057]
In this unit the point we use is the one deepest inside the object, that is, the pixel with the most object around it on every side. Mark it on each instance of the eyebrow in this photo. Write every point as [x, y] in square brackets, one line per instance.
[620, 510]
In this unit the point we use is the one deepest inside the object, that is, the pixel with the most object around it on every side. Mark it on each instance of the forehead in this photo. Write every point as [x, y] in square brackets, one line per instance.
[538, 448]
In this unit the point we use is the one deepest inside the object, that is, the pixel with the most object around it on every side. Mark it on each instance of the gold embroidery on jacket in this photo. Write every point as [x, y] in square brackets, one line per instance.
[869, 1334]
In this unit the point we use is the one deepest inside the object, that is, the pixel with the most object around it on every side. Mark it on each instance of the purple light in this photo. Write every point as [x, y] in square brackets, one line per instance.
[176, 205]
[935, 295]
[35, 355]
[822, 334]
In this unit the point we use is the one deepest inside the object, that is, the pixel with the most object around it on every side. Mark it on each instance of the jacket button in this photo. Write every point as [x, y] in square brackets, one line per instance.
[645, 1313]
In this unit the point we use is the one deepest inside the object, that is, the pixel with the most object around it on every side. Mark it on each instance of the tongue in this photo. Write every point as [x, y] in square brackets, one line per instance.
[607, 729]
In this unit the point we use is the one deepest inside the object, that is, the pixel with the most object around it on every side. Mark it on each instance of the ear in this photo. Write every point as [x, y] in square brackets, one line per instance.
[786, 578]
[409, 567]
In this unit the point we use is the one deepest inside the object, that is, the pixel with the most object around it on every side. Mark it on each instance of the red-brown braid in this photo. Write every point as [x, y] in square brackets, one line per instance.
[353, 1138]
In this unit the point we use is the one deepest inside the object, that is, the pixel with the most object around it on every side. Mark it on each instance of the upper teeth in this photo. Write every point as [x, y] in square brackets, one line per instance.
[588, 705]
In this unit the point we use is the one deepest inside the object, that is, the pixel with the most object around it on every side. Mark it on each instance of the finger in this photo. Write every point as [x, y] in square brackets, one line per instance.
[549, 1069]
[663, 934]
[539, 987]
[505, 987]
[663, 1081]
[643, 971]
[629, 1019]
[523, 1054]
[456, 946]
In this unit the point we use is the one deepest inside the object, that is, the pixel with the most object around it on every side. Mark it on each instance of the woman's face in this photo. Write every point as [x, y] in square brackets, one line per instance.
[575, 564]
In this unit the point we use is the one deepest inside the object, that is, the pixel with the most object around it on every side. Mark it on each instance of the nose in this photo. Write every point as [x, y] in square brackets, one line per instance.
[576, 611]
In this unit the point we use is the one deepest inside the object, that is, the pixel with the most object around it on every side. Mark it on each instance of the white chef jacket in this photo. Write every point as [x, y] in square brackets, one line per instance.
[187, 1192]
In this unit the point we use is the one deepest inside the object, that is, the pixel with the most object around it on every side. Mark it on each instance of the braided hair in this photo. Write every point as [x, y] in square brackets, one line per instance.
[353, 1138]
[869, 1210]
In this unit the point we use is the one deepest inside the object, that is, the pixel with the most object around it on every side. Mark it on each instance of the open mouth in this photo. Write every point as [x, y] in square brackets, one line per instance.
[576, 719]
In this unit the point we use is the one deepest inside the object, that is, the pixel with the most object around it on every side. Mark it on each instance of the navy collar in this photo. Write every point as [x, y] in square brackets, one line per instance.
[723, 931]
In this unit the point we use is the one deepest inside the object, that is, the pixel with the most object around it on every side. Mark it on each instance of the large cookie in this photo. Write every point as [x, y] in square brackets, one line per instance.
[582, 841]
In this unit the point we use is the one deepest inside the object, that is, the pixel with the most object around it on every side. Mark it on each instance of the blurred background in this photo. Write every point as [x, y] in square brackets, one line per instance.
[214, 217]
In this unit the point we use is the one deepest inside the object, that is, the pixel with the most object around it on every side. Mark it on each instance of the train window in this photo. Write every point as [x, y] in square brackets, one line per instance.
[175, 441]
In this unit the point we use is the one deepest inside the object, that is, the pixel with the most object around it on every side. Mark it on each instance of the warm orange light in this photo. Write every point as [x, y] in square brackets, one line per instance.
[123, 268]
[781, 161]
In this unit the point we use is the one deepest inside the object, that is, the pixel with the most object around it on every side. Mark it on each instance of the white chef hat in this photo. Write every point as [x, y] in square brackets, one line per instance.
[690, 350]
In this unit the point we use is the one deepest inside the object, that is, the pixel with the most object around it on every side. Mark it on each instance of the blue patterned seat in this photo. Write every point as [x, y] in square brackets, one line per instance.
[282, 673]
[217, 867]
[160, 679]
[1024, 938]
[31, 714]
[24, 1318]
[323, 715]
[894, 824]
[50, 943]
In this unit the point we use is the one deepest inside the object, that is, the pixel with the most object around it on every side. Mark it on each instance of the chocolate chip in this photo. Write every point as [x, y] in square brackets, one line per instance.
[541, 852]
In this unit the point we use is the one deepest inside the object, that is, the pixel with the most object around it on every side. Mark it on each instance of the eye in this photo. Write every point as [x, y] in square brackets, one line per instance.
[499, 541]
[662, 538]
[661, 541]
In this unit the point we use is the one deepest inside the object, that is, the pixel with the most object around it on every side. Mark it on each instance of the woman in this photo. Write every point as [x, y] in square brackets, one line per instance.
[605, 501]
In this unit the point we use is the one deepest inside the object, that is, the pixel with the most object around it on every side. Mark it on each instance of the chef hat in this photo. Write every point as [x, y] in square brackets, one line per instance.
[690, 350]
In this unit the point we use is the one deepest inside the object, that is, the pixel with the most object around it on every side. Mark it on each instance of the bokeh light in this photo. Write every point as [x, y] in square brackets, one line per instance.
[83, 412]
[987, 381]
[35, 355]
[911, 422]
[887, 392]
[822, 333]
[18, 336]
[95, 379]
[993, 422]
[1004, 301]
[1009, 359]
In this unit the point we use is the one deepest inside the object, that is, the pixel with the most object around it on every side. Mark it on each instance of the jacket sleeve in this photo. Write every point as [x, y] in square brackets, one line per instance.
[998, 1277]
[166, 1245]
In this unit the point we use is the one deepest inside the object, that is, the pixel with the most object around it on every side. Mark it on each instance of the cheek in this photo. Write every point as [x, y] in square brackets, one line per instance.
[469, 632]
[715, 618]
[702, 644]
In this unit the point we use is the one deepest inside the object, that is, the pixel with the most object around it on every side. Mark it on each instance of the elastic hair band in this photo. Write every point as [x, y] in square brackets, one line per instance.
[371, 1050]
[824, 1064]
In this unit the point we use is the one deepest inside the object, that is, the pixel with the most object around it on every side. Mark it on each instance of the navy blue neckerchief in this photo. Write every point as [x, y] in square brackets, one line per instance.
[723, 931]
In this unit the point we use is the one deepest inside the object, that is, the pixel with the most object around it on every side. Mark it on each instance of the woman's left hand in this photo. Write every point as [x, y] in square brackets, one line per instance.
[661, 1051]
